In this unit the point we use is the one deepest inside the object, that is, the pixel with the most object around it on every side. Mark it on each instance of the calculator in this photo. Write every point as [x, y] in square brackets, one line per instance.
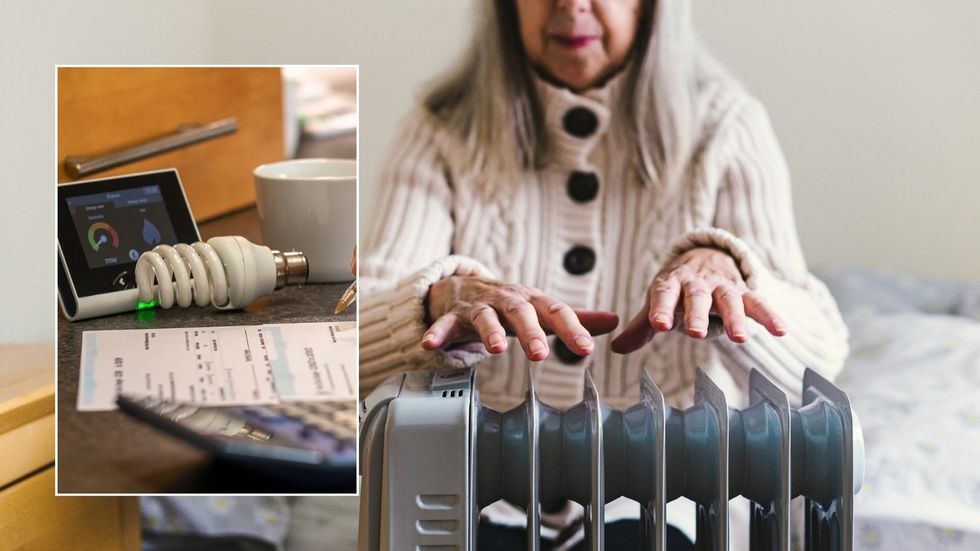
[310, 444]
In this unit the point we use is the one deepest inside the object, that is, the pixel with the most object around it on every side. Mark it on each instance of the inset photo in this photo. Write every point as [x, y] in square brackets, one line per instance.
[207, 230]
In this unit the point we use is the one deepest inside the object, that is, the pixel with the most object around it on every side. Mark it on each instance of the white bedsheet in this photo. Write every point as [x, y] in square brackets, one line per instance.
[914, 380]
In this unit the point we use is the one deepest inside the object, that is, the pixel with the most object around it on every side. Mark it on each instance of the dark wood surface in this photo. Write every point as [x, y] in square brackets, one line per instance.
[109, 452]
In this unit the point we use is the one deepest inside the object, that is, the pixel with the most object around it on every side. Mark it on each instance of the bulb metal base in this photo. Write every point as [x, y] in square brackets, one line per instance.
[291, 268]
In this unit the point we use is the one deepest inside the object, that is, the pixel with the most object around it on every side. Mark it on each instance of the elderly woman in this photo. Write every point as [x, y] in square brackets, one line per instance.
[586, 162]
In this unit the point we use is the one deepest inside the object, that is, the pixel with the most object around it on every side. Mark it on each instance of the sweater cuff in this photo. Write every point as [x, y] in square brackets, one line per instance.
[754, 273]
[392, 326]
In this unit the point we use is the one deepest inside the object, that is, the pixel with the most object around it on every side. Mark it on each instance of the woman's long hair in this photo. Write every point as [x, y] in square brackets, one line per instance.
[489, 104]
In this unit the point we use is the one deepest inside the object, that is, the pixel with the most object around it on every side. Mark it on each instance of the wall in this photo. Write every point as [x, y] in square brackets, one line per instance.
[34, 37]
[877, 105]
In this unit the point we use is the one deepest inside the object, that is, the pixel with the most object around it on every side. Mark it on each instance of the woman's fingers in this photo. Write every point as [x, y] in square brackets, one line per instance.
[756, 309]
[441, 331]
[562, 321]
[701, 282]
[597, 322]
[487, 325]
[523, 319]
[471, 306]
[728, 303]
[664, 294]
[636, 334]
[697, 305]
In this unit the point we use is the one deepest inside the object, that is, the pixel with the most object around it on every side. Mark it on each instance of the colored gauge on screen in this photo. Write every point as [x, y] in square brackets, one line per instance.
[101, 233]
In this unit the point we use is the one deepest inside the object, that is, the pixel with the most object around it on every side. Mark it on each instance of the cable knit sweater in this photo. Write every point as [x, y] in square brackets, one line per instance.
[432, 220]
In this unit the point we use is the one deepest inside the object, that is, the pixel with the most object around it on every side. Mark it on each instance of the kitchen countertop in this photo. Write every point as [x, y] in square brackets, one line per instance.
[109, 452]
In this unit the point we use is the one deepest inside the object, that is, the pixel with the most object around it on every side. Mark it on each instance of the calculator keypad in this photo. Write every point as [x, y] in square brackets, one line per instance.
[330, 427]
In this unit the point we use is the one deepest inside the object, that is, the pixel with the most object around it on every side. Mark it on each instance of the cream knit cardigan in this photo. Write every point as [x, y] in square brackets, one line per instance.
[433, 219]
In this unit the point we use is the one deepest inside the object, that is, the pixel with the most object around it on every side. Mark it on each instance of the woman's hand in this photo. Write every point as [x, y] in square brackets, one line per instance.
[699, 283]
[464, 306]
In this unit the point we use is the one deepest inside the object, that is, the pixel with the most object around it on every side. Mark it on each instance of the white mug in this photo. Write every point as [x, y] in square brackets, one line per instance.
[310, 206]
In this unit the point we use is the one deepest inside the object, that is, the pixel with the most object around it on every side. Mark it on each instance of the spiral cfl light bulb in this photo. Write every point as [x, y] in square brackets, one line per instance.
[229, 272]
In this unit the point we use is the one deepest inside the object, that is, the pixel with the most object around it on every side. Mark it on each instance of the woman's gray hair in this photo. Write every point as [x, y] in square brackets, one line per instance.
[489, 102]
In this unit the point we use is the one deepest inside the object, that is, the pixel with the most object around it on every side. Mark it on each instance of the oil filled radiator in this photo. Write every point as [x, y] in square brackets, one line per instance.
[432, 457]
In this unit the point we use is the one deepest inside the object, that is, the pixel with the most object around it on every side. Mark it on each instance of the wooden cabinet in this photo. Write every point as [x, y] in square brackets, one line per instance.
[31, 517]
[101, 110]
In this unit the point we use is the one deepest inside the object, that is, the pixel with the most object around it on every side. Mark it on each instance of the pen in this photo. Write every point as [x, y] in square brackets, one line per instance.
[349, 296]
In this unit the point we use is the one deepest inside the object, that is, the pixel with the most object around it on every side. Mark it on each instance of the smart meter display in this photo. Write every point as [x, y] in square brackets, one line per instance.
[116, 227]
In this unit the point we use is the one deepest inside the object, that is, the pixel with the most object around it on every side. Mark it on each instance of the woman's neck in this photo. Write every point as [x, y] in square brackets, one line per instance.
[598, 84]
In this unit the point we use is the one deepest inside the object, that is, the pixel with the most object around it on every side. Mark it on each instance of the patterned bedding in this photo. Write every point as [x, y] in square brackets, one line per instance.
[914, 380]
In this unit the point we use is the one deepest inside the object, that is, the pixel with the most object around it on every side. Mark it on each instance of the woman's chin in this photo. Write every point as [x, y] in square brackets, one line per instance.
[576, 78]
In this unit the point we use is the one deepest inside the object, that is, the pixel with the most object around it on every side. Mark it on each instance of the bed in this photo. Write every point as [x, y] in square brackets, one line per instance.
[914, 379]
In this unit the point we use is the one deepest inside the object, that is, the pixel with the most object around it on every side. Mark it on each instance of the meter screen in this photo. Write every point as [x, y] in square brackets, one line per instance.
[117, 226]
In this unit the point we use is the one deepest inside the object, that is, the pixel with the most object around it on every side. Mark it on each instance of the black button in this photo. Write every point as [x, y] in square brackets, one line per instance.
[565, 353]
[580, 122]
[583, 186]
[579, 260]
